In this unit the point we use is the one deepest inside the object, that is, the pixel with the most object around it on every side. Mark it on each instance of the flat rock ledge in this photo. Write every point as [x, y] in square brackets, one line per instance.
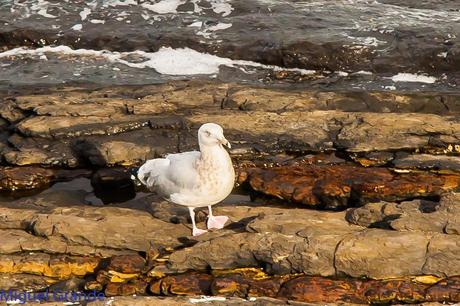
[75, 128]
[380, 169]
[370, 254]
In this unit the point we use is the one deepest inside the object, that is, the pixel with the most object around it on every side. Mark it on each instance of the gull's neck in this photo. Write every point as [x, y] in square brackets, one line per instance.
[213, 153]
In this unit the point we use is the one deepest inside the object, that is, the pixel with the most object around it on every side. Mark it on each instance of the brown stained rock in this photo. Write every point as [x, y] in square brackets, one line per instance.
[373, 159]
[131, 288]
[238, 285]
[191, 301]
[57, 266]
[127, 264]
[183, 284]
[337, 186]
[103, 277]
[391, 291]
[24, 178]
[447, 290]
[234, 285]
[93, 285]
[321, 290]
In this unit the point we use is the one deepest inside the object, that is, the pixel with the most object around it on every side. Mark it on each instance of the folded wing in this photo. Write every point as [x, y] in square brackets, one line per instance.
[172, 174]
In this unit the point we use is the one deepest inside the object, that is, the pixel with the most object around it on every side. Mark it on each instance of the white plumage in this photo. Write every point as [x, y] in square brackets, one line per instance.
[194, 179]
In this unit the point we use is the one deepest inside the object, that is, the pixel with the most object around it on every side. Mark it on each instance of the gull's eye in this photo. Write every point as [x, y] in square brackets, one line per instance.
[208, 133]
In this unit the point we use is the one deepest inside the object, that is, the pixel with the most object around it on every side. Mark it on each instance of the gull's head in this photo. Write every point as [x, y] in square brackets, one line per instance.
[212, 134]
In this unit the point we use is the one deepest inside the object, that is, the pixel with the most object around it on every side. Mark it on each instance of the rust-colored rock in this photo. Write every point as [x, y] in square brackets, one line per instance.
[312, 289]
[321, 290]
[447, 290]
[390, 291]
[133, 287]
[127, 264]
[103, 277]
[184, 284]
[238, 285]
[335, 186]
[93, 285]
[405, 290]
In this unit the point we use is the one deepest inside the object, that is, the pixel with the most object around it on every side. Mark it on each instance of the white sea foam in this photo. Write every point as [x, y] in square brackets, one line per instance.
[115, 3]
[442, 54]
[209, 31]
[164, 6]
[196, 24]
[97, 21]
[84, 13]
[182, 61]
[221, 7]
[416, 78]
[363, 72]
[77, 27]
[207, 299]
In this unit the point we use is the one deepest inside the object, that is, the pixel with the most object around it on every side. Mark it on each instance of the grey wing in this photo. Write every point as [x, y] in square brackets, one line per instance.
[182, 169]
[172, 174]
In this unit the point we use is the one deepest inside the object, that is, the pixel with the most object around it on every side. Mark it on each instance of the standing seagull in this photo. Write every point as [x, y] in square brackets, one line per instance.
[194, 179]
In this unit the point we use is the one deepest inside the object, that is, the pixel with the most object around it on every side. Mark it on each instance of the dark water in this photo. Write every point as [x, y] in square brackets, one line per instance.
[351, 45]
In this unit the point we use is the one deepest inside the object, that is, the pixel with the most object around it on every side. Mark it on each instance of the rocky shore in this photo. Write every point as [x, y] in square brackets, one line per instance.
[342, 197]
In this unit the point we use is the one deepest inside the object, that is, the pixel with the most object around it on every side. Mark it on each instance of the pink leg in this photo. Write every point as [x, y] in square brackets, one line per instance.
[216, 221]
[195, 231]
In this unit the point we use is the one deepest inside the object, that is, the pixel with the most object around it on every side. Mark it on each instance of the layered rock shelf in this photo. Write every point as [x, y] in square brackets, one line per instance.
[341, 197]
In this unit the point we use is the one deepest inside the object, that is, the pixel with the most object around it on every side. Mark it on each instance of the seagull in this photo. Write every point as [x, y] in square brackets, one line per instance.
[196, 178]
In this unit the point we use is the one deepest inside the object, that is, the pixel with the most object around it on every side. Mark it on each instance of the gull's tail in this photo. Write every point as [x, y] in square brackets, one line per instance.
[134, 178]
[149, 172]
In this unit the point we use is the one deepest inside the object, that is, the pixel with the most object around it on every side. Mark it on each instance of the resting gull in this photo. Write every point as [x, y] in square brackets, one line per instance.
[194, 179]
